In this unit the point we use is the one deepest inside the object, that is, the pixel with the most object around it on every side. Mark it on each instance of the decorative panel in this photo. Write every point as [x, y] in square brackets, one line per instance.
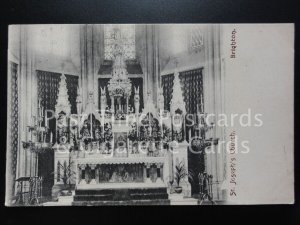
[14, 118]
[195, 39]
[72, 84]
[128, 40]
[192, 84]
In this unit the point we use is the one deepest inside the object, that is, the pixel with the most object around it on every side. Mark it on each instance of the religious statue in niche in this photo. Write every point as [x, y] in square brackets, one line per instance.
[74, 131]
[106, 145]
[150, 134]
[103, 100]
[120, 144]
[133, 139]
[137, 99]
[91, 133]
[178, 123]
[62, 128]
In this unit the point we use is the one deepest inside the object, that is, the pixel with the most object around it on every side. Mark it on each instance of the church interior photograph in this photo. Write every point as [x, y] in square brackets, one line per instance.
[114, 114]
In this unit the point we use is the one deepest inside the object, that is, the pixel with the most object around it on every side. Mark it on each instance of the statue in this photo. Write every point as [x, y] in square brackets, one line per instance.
[137, 99]
[103, 99]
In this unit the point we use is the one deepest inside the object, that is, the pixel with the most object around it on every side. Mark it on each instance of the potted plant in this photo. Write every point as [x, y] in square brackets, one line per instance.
[180, 173]
[66, 177]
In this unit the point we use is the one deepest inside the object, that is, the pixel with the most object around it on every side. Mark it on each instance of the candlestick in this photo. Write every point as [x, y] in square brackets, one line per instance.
[46, 120]
[91, 126]
[51, 137]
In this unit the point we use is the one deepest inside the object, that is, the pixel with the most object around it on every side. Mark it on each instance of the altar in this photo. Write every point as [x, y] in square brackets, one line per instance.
[119, 148]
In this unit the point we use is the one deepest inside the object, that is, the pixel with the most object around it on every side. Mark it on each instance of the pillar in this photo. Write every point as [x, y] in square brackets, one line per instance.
[214, 103]
[148, 54]
[87, 56]
[93, 173]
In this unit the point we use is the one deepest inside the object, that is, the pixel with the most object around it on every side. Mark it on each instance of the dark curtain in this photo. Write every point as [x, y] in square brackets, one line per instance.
[48, 87]
[103, 82]
[192, 87]
[72, 84]
[14, 123]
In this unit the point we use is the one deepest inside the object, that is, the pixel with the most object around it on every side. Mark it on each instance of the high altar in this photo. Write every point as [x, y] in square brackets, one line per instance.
[120, 147]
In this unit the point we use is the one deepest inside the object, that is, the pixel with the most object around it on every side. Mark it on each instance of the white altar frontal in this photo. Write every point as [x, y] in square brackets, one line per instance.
[119, 152]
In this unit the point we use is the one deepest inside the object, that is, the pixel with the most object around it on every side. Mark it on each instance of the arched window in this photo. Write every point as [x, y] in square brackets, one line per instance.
[196, 39]
[128, 40]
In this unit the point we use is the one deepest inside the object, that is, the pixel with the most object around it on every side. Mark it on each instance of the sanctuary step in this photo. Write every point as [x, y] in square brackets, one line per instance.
[122, 196]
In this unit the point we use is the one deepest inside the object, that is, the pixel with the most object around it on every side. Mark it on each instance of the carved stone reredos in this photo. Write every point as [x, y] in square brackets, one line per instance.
[63, 103]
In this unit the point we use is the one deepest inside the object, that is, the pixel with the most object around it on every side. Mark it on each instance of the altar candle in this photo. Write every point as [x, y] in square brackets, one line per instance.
[51, 137]
[78, 125]
[190, 134]
[202, 108]
[46, 120]
[91, 126]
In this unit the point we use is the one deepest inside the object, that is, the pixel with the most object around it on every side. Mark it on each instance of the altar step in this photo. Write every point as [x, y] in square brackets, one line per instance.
[62, 201]
[122, 196]
[178, 199]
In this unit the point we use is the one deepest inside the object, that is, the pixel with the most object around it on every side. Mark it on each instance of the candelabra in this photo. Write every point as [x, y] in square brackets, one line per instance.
[38, 134]
[202, 128]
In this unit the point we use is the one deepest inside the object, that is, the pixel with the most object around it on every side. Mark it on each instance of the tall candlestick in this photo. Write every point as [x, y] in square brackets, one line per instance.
[51, 137]
[91, 126]
[202, 106]
[46, 120]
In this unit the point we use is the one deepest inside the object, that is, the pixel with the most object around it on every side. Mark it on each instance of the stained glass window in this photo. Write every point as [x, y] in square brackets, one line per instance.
[128, 40]
[195, 39]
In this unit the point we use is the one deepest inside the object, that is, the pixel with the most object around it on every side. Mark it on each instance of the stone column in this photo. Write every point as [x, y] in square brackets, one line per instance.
[93, 173]
[112, 104]
[144, 172]
[213, 92]
[148, 53]
[78, 174]
[82, 168]
[97, 174]
[87, 62]
[27, 92]
[148, 180]
[159, 168]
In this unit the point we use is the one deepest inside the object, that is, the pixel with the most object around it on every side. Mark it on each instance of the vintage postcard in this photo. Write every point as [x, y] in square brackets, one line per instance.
[150, 114]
